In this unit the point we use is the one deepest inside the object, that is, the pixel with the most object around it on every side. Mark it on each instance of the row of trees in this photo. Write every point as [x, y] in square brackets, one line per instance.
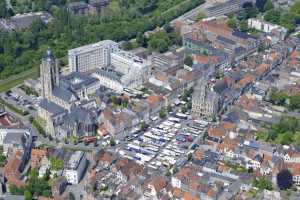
[35, 186]
[249, 10]
[284, 181]
[286, 132]
[288, 18]
[159, 41]
[121, 20]
[281, 98]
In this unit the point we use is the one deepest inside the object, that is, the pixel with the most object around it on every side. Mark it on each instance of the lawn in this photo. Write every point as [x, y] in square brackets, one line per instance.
[18, 79]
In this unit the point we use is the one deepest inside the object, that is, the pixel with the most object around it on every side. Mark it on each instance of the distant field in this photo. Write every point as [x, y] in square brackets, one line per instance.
[120, 21]
[18, 79]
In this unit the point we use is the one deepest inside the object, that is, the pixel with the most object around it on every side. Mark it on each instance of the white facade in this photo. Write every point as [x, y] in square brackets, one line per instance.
[126, 71]
[126, 62]
[13, 138]
[267, 27]
[262, 25]
[108, 81]
[3, 132]
[296, 179]
[176, 182]
[93, 56]
[76, 167]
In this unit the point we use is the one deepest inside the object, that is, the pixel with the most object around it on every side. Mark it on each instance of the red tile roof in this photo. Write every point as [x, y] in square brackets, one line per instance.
[159, 183]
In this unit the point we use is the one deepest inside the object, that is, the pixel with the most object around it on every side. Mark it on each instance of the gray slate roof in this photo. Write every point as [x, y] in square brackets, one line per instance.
[76, 81]
[51, 107]
[63, 94]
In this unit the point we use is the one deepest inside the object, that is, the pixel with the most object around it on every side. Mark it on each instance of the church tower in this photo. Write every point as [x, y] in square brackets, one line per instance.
[49, 74]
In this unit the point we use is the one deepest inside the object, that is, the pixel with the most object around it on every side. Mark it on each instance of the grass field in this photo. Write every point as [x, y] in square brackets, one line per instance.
[18, 79]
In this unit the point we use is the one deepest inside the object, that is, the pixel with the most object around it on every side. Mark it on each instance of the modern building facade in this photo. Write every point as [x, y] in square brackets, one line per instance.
[269, 28]
[134, 68]
[76, 167]
[125, 62]
[92, 56]
[110, 79]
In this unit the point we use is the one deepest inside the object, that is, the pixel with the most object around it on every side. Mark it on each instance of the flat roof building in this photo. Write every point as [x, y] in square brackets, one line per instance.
[76, 167]
[92, 56]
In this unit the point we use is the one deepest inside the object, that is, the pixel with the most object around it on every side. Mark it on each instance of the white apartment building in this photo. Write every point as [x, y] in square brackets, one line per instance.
[92, 56]
[76, 167]
[125, 62]
[109, 79]
[267, 27]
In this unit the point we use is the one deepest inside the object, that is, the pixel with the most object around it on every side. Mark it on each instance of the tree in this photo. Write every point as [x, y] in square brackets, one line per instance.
[46, 193]
[232, 22]
[260, 4]
[162, 113]
[159, 41]
[56, 163]
[200, 16]
[294, 102]
[188, 61]
[261, 47]
[190, 156]
[250, 10]
[169, 108]
[15, 190]
[284, 179]
[268, 5]
[122, 20]
[27, 195]
[272, 16]
[127, 45]
[168, 28]
[112, 141]
[284, 138]
[277, 97]
[262, 183]
[3, 9]
[141, 40]
[244, 26]
[184, 109]
[144, 126]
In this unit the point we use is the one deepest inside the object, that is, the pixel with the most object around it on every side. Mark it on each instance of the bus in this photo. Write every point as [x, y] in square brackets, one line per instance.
[181, 116]
[174, 119]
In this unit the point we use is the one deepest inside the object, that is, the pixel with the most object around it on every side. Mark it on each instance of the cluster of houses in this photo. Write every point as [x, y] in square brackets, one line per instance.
[109, 91]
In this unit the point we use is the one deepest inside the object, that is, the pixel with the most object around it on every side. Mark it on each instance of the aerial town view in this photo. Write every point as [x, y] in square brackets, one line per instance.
[150, 99]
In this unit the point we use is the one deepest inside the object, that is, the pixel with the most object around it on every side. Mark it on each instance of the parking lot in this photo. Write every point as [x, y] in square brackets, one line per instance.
[20, 100]
[165, 144]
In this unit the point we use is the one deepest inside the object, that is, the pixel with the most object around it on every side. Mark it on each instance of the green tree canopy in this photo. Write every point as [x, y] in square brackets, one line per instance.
[200, 16]
[232, 22]
[269, 5]
[56, 163]
[188, 61]
[263, 184]
[272, 16]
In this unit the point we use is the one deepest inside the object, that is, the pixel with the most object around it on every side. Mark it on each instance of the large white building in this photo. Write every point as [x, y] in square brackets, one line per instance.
[92, 56]
[110, 79]
[268, 27]
[125, 62]
[76, 167]
[134, 68]
[114, 68]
